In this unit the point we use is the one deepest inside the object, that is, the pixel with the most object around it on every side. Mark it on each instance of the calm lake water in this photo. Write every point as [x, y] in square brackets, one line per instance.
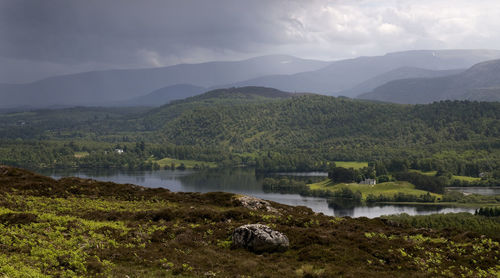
[243, 181]
[477, 190]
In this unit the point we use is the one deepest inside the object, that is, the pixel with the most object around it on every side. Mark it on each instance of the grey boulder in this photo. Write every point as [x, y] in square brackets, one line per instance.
[259, 238]
[256, 204]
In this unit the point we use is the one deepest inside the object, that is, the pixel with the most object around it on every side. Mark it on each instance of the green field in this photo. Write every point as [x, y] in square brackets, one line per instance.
[351, 164]
[81, 154]
[188, 163]
[386, 188]
[428, 173]
[462, 178]
[465, 178]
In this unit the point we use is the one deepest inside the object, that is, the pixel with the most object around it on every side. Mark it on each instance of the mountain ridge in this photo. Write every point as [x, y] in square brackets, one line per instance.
[111, 86]
[460, 86]
[164, 95]
[345, 74]
[285, 73]
[396, 74]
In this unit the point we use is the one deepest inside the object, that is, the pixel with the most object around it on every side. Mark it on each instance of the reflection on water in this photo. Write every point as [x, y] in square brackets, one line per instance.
[242, 181]
[477, 190]
[379, 210]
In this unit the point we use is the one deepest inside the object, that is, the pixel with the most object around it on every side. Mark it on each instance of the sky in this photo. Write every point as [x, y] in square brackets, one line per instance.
[42, 38]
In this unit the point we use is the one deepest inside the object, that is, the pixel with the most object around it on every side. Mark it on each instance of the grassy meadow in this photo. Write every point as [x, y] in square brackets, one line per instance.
[461, 178]
[189, 164]
[386, 188]
[351, 164]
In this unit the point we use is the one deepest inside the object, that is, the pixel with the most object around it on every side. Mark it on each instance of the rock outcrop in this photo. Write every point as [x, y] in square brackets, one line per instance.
[256, 204]
[259, 238]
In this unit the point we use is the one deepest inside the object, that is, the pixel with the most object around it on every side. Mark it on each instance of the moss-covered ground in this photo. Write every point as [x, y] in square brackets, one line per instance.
[83, 228]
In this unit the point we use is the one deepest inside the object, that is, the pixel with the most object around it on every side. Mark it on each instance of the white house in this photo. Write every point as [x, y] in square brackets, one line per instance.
[369, 181]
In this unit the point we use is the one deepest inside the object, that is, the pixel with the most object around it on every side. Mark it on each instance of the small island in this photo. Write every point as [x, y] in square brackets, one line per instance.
[361, 184]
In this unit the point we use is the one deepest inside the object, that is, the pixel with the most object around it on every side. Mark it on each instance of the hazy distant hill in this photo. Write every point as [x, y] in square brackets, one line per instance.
[286, 73]
[249, 92]
[480, 82]
[164, 95]
[483, 94]
[399, 73]
[103, 87]
[345, 74]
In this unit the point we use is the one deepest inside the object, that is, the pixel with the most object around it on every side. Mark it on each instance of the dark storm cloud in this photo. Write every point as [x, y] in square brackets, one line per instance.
[117, 31]
[39, 38]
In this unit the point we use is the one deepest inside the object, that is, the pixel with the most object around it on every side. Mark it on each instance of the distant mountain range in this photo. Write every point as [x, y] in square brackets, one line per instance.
[164, 95]
[112, 86]
[185, 91]
[483, 94]
[480, 82]
[399, 73]
[338, 77]
[246, 93]
[155, 87]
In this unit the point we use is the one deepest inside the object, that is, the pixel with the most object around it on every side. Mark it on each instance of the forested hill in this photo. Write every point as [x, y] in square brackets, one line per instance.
[258, 124]
[158, 117]
[313, 120]
[311, 128]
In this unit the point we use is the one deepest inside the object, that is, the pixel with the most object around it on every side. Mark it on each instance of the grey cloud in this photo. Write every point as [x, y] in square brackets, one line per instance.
[72, 35]
[83, 31]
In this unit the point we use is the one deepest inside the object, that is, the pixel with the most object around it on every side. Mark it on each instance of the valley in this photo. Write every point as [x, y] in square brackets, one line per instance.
[409, 150]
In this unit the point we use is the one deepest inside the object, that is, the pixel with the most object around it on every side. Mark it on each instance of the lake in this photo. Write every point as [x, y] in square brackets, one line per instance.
[477, 190]
[244, 181]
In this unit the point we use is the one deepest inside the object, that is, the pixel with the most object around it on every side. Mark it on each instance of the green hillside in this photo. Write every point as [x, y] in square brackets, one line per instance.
[314, 120]
[324, 128]
[265, 127]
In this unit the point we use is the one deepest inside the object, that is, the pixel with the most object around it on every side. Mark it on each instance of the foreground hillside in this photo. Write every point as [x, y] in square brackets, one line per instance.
[76, 227]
